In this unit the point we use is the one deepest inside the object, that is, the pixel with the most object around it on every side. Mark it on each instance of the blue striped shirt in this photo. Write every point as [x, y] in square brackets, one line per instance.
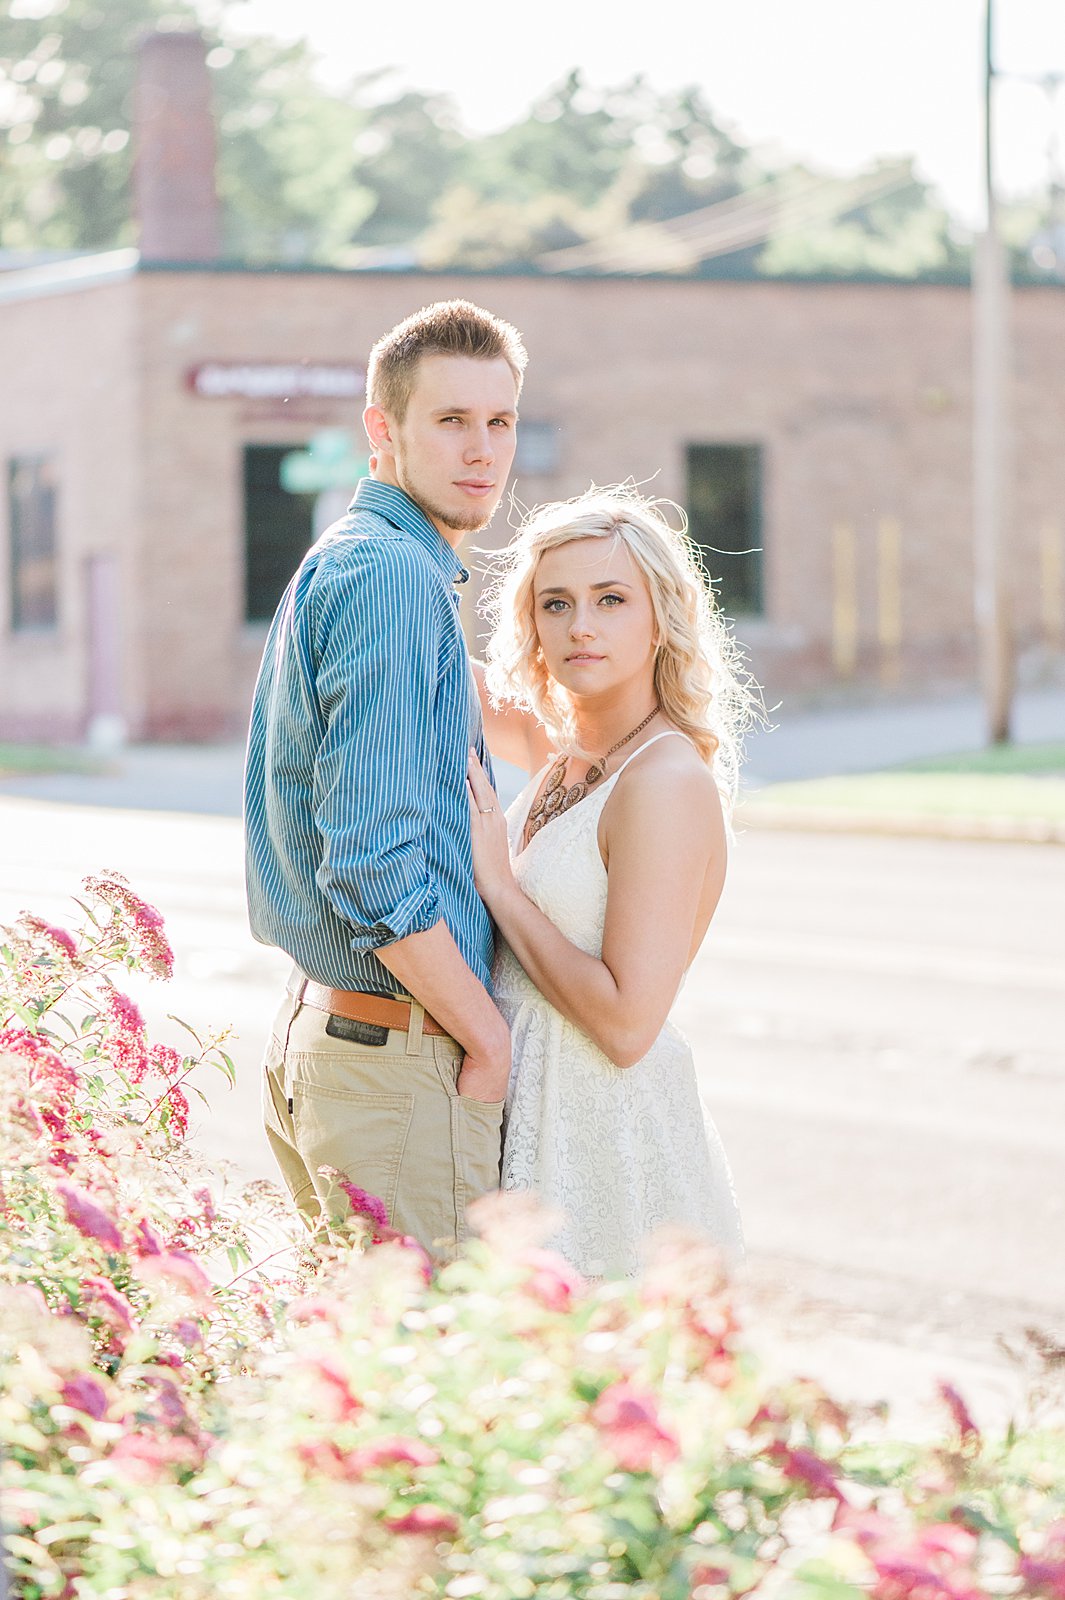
[356, 817]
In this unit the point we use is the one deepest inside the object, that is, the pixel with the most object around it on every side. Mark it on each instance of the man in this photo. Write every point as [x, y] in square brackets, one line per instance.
[388, 1061]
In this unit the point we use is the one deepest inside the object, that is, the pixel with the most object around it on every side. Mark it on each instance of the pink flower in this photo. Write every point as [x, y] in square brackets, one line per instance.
[89, 1218]
[165, 1060]
[960, 1412]
[178, 1122]
[205, 1201]
[145, 1239]
[141, 921]
[100, 1299]
[315, 1308]
[340, 1402]
[551, 1279]
[1044, 1573]
[59, 938]
[188, 1332]
[805, 1468]
[178, 1269]
[83, 1393]
[394, 1451]
[124, 1012]
[49, 1069]
[628, 1420]
[147, 1459]
[424, 1519]
[362, 1204]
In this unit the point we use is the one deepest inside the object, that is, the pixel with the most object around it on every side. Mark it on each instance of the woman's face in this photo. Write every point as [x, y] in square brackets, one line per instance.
[594, 617]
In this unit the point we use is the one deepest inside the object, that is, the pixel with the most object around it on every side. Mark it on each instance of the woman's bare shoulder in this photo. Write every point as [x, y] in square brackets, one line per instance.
[670, 767]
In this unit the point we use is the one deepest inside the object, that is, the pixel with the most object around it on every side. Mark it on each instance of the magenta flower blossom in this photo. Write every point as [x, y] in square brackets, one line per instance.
[393, 1451]
[424, 1519]
[963, 1418]
[179, 1270]
[803, 1466]
[58, 938]
[340, 1403]
[100, 1299]
[147, 1459]
[142, 922]
[145, 1239]
[49, 1069]
[315, 1308]
[1044, 1573]
[628, 1420]
[89, 1218]
[83, 1393]
[551, 1279]
[362, 1204]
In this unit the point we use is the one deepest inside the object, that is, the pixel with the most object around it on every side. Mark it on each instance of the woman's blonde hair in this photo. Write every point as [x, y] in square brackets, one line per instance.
[703, 688]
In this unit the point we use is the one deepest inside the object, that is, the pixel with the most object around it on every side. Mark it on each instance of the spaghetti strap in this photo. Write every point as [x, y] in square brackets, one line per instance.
[667, 733]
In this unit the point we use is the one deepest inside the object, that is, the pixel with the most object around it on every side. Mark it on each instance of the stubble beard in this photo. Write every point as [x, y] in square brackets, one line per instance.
[471, 521]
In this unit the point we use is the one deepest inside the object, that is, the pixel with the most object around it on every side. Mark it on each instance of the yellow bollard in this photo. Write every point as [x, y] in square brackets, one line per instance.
[889, 597]
[844, 600]
[1052, 585]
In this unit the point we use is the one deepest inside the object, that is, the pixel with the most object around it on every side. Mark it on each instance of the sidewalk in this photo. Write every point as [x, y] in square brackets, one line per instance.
[206, 779]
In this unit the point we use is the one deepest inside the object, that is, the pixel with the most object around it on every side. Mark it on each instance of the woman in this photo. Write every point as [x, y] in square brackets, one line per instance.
[606, 873]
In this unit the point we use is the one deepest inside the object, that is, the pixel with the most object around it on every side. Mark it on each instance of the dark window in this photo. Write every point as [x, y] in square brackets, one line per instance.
[278, 529]
[34, 570]
[725, 519]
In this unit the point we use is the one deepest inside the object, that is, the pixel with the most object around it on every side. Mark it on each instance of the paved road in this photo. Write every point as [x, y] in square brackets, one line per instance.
[879, 1028]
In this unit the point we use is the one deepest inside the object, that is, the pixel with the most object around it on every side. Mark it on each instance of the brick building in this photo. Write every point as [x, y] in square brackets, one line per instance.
[818, 433]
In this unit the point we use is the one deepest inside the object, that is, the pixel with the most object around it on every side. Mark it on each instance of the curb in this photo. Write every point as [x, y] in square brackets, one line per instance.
[911, 825]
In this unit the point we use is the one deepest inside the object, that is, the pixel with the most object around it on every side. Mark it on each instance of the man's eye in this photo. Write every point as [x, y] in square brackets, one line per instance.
[500, 422]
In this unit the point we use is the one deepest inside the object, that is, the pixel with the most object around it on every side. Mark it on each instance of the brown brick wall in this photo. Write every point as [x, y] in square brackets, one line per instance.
[858, 394]
[70, 392]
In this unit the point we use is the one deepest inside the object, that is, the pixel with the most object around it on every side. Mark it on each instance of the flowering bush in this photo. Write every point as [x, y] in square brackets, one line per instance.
[197, 1402]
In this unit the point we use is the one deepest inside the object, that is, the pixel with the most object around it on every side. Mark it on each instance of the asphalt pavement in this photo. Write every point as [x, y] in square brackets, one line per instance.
[805, 743]
[877, 1022]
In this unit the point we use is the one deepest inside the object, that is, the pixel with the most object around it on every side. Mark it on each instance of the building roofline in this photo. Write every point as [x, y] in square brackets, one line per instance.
[64, 277]
[950, 279]
[89, 271]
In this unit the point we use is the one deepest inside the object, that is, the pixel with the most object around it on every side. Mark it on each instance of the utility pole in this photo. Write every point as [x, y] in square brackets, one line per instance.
[992, 455]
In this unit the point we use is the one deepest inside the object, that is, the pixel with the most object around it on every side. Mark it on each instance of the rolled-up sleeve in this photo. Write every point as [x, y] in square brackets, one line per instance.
[378, 640]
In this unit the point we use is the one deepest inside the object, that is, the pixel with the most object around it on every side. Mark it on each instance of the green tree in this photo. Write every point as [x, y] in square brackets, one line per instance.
[286, 149]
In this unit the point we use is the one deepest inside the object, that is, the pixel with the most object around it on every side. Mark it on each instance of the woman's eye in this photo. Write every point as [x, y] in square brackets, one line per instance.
[615, 599]
[554, 605]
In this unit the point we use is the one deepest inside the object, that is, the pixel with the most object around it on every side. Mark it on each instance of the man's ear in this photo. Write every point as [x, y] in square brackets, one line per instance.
[378, 430]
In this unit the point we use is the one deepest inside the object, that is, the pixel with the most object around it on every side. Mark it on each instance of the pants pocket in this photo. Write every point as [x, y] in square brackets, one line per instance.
[362, 1134]
[478, 1126]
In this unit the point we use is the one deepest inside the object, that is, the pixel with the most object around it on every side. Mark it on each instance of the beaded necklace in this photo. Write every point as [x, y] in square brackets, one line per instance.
[556, 798]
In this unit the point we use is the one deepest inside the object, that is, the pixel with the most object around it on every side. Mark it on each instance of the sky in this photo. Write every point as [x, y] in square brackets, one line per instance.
[835, 82]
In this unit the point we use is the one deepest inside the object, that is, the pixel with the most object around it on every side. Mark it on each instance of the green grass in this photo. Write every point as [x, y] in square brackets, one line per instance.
[1023, 758]
[33, 760]
[1013, 781]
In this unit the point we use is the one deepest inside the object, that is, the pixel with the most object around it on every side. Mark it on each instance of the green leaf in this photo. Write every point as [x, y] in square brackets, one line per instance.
[187, 1027]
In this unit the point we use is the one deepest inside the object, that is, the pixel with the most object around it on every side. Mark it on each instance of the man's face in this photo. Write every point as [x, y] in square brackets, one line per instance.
[453, 451]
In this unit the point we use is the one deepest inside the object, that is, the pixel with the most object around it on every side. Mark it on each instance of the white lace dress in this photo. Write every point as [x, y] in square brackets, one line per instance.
[620, 1151]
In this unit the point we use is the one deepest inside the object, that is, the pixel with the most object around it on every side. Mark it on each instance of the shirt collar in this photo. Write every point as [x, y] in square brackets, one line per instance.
[397, 507]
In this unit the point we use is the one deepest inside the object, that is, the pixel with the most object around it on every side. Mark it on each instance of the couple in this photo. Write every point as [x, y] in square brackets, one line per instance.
[452, 965]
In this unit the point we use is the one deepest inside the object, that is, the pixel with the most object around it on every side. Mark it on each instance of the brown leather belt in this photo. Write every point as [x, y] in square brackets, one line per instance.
[356, 1007]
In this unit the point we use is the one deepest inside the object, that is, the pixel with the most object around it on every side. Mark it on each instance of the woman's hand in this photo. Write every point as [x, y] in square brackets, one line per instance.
[488, 832]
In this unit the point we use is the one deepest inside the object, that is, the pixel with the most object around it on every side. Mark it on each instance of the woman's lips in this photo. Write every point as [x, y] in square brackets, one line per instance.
[584, 656]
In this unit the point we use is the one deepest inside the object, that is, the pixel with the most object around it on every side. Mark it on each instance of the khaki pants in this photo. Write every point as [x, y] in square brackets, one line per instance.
[388, 1116]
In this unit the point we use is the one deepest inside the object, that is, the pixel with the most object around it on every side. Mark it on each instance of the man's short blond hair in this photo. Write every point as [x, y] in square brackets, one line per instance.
[447, 328]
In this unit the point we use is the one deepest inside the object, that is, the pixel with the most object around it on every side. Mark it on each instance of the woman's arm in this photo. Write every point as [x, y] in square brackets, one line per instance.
[664, 829]
[510, 734]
